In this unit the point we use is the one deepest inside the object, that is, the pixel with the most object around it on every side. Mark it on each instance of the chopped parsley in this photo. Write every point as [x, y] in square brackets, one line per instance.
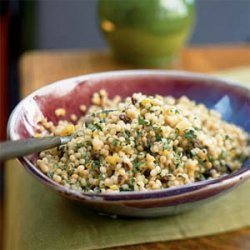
[62, 148]
[177, 163]
[166, 146]
[97, 190]
[223, 155]
[190, 134]
[50, 174]
[202, 177]
[79, 145]
[115, 142]
[158, 137]
[94, 126]
[102, 176]
[95, 164]
[131, 184]
[55, 166]
[201, 162]
[127, 136]
[136, 165]
[158, 133]
[142, 121]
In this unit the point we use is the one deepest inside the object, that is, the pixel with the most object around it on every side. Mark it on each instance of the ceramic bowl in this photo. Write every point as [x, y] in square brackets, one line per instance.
[227, 96]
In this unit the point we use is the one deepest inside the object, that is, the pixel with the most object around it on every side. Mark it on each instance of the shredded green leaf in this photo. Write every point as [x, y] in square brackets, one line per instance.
[142, 121]
[190, 134]
[115, 142]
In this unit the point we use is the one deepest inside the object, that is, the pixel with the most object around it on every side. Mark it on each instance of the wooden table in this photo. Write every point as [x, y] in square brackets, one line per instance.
[39, 68]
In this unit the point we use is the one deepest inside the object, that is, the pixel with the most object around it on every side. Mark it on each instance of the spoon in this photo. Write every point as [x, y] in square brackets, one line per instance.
[13, 149]
[17, 148]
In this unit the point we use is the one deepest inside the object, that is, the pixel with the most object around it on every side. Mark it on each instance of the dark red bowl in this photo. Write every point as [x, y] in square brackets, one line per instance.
[228, 97]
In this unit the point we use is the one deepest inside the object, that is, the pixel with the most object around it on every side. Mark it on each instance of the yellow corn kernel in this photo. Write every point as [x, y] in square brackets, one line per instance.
[166, 153]
[102, 115]
[114, 159]
[114, 187]
[145, 101]
[68, 130]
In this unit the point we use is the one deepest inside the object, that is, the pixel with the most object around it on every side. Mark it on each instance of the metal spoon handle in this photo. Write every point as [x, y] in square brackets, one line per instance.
[12, 149]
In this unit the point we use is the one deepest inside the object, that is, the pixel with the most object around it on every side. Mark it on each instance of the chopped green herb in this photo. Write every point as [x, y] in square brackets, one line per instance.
[210, 158]
[158, 137]
[94, 126]
[102, 176]
[70, 171]
[177, 163]
[137, 164]
[86, 158]
[170, 170]
[240, 158]
[50, 174]
[131, 184]
[172, 136]
[196, 128]
[127, 136]
[190, 134]
[223, 155]
[115, 142]
[79, 145]
[88, 186]
[201, 162]
[187, 152]
[166, 146]
[103, 111]
[157, 129]
[123, 189]
[62, 148]
[142, 121]
[202, 177]
[97, 190]
[95, 164]
[147, 147]
[55, 166]
[88, 143]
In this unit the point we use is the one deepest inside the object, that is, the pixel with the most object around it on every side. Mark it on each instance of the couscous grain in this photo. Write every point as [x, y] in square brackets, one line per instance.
[146, 143]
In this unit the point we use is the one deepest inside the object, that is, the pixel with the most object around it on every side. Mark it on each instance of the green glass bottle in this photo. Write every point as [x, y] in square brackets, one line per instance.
[146, 32]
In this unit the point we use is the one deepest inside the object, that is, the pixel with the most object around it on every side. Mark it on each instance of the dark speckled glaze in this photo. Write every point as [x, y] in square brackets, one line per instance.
[70, 93]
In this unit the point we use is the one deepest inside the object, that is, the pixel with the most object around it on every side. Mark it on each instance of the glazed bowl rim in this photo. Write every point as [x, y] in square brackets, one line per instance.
[241, 174]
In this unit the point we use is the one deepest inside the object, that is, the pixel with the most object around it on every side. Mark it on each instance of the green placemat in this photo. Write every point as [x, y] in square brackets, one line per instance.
[241, 74]
[37, 218]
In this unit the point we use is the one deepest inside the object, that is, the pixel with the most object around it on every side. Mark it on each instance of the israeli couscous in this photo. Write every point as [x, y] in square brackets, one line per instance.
[145, 143]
